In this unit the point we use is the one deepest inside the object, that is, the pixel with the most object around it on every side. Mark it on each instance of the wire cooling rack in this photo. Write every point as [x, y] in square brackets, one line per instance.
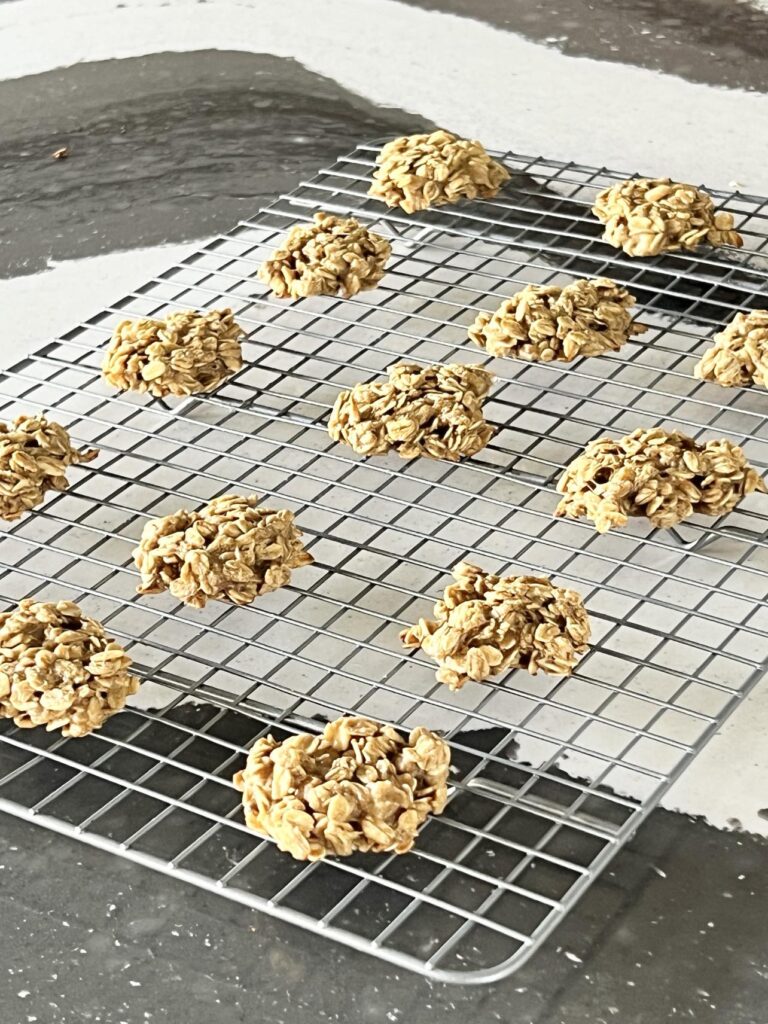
[551, 775]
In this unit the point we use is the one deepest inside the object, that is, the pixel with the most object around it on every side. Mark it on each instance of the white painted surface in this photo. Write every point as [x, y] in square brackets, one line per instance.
[520, 95]
[77, 289]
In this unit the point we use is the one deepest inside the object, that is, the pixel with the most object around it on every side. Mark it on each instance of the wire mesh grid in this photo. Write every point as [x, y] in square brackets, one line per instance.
[551, 775]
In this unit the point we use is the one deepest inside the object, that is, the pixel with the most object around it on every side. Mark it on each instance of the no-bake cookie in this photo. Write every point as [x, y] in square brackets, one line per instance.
[663, 475]
[35, 454]
[485, 625]
[739, 356]
[329, 256]
[542, 323]
[59, 669]
[231, 550]
[648, 216]
[359, 787]
[418, 171]
[184, 353]
[433, 411]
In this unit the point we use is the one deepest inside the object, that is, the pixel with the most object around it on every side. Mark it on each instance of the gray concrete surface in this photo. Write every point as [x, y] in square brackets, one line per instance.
[674, 931]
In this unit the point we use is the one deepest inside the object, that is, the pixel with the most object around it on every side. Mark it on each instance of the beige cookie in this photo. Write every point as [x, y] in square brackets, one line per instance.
[231, 550]
[648, 216]
[358, 787]
[35, 454]
[485, 625]
[418, 171]
[543, 323]
[59, 669]
[185, 353]
[431, 411]
[663, 475]
[329, 256]
[739, 356]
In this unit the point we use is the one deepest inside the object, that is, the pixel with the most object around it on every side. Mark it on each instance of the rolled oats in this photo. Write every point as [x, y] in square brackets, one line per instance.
[59, 669]
[739, 356]
[663, 475]
[648, 216]
[35, 454]
[332, 255]
[433, 411]
[185, 353]
[418, 171]
[485, 625]
[359, 787]
[546, 322]
[230, 550]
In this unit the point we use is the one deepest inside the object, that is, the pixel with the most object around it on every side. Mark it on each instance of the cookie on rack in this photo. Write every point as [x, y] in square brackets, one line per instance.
[544, 323]
[59, 669]
[231, 550]
[184, 353]
[35, 454]
[485, 625]
[329, 256]
[648, 216]
[663, 475]
[432, 411]
[739, 356]
[358, 787]
[415, 172]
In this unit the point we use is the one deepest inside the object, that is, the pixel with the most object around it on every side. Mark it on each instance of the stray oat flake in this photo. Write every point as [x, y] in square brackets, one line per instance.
[358, 787]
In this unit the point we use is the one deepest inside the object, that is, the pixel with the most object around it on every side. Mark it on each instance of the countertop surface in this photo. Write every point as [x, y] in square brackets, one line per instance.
[182, 117]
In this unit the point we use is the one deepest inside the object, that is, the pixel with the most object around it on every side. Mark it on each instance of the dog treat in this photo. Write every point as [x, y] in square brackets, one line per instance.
[739, 356]
[331, 255]
[434, 411]
[184, 353]
[231, 550]
[35, 454]
[663, 475]
[648, 216]
[59, 669]
[359, 787]
[485, 625]
[545, 322]
[417, 171]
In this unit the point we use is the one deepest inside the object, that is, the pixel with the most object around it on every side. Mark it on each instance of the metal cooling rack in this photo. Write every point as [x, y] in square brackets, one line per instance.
[552, 776]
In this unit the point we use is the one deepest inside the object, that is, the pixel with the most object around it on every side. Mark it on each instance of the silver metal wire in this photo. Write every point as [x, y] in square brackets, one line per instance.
[552, 776]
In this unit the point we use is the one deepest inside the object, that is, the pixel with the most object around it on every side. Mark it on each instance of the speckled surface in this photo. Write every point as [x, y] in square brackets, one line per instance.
[674, 931]
[171, 147]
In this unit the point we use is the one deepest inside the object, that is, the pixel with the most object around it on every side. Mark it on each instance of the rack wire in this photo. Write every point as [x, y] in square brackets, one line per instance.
[552, 776]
